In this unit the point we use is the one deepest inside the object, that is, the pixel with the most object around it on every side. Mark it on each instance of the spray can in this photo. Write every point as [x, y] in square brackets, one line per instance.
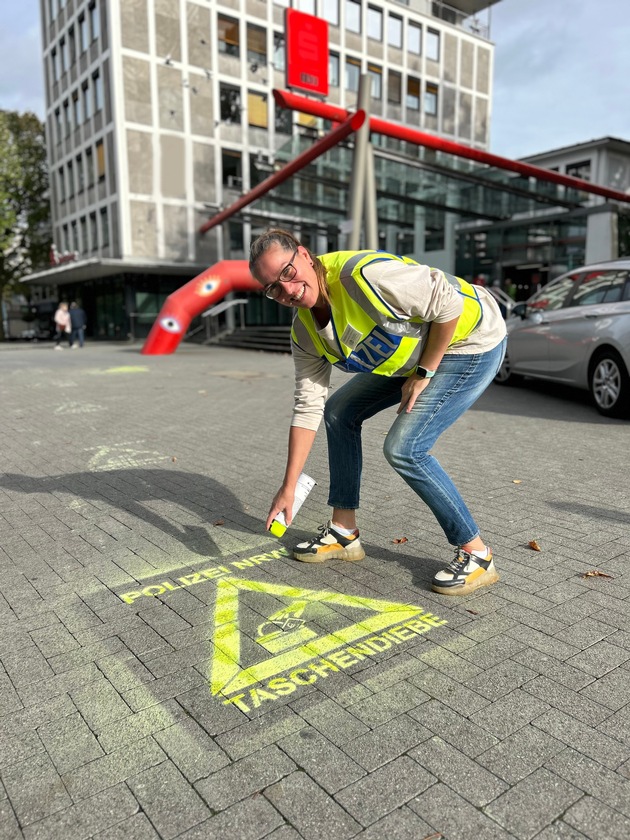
[303, 487]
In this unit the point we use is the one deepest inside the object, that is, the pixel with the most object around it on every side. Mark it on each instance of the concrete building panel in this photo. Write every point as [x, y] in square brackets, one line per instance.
[450, 58]
[483, 70]
[172, 166]
[137, 86]
[140, 159]
[466, 76]
[481, 121]
[170, 98]
[134, 25]
[175, 232]
[464, 119]
[204, 173]
[168, 42]
[199, 35]
[144, 240]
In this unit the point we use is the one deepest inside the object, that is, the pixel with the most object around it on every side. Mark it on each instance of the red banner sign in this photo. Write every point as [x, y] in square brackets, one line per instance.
[307, 52]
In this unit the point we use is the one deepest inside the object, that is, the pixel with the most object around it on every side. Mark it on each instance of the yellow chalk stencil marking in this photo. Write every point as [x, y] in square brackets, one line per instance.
[285, 633]
[122, 456]
[127, 369]
[78, 408]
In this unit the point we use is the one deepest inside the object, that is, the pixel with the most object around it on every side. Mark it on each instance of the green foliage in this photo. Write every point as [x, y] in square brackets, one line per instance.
[25, 236]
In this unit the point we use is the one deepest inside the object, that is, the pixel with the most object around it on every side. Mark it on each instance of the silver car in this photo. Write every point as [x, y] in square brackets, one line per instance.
[576, 331]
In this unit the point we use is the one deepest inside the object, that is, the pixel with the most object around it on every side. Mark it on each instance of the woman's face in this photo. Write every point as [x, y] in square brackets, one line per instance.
[302, 290]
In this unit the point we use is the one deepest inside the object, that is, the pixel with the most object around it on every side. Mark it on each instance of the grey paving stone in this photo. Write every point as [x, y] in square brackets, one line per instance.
[617, 726]
[26, 666]
[34, 788]
[18, 747]
[500, 679]
[112, 768]
[46, 689]
[244, 777]
[285, 832]
[167, 799]
[124, 670]
[53, 640]
[100, 704]
[401, 824]
[576, 704]
[448, 691]
[191, 749]
[69, 742]
[585, 739]
[487, 627]
[387, 704]
[587, 632]
[386, 742]
[594, 779]
[558, 671]
[86, 819]
[542, 642]
[599, 659]
[533, 802]
[9, 828]
[560, 831]
[251, 819]
[509, 713]
[137, 827]
[311, 811]
[453, 817]
[463, 734]
[451, 664]
[597, 820]
[520, 754]
[138, 725]
[384, 790]
[331, 719]
[381, 675]
[324, 762]
[458, 771]
[163, 688]
[611, 691]
[256, 734]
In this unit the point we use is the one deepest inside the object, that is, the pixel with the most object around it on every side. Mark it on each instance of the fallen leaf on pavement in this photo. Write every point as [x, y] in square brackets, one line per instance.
[533, 544]
[473, 612]
[400, 540]
[596, 573]
[219, 522]
[173, 459]
[517, 481]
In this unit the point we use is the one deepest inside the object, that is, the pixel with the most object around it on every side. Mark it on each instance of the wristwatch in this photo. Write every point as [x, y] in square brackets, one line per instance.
[424, 373]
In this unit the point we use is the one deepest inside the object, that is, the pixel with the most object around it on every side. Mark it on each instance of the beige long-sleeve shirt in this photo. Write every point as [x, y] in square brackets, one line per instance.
[412, 291]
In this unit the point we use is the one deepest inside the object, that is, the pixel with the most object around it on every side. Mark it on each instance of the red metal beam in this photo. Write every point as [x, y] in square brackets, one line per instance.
[294, 102]
[350, 123]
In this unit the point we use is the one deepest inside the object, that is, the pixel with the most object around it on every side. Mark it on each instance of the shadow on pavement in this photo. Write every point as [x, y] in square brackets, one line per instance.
[133, 491]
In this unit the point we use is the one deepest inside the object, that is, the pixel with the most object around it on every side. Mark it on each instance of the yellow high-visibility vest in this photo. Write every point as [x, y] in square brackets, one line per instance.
[370, 337]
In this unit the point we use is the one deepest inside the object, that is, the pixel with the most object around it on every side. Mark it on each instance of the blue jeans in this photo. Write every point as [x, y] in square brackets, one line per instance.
[458, 383]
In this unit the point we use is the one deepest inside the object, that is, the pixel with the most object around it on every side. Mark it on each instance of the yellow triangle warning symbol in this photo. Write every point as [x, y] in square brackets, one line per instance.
[286, 635]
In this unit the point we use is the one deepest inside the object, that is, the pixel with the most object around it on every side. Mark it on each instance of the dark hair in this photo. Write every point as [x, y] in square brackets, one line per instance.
[288, 242]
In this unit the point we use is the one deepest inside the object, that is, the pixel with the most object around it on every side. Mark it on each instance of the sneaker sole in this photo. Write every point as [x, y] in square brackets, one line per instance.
[334, 554]
[484, 580]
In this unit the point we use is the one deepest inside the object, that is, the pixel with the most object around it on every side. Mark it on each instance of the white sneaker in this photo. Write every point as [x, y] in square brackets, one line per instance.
[57, 347]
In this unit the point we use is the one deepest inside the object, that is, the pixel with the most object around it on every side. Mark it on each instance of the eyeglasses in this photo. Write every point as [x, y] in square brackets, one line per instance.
[273, 290]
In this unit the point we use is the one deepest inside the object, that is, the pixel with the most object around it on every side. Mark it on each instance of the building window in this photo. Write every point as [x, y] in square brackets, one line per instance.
[67, 117]
[227, 31]
[70, 170]
[353, 16]
[104, 227]
[431, 99]
[283, 121]
[83, 228]
[333, 69]
[414, 38]
[330, 11]
[83, 34]
[76, 108]
[257, 46]
[433, 45]
[52, 9]
[257, 115]
[87, 100]
[394, 31]
[72, 47]
[353, 73]
[230, 103]
[375, 23]
[93, 232]
[89, 167]
[61, 185]
[376, 81]
[100, 160]
[54, 65]
[394, 87]
[232, 169]
[306, 6]
[74, 240]
[63, 55]
[58, 125]
[279, 57]
[98, 91]
[80, 174]
[95, 24]
[413, 93]
[579, 170]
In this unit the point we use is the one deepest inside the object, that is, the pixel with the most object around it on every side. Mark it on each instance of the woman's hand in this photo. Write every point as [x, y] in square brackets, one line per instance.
[411, 390]
[283, 502]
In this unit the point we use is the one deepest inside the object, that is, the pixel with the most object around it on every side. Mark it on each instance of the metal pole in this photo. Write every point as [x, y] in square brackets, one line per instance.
[371, 213]
[359, 164]
[348, 125]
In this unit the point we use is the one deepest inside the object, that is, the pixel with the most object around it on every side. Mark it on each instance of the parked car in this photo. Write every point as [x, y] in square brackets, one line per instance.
[576, 331]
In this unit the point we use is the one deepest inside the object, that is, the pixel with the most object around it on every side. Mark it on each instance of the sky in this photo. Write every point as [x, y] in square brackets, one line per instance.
[561, 70]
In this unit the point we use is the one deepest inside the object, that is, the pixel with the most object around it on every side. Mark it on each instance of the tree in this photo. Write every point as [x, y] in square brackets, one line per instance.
[25, 230]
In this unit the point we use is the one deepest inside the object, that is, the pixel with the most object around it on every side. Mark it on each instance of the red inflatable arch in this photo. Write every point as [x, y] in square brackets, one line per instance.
[192, 299]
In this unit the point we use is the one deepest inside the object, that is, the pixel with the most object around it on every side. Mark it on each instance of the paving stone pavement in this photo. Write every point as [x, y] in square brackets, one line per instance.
[168, 671]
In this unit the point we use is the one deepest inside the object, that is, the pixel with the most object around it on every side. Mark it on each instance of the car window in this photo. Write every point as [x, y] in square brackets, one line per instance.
[600, 286]
[554, 295]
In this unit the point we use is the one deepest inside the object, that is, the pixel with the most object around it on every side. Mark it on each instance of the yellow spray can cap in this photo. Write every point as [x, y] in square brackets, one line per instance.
[277, 528]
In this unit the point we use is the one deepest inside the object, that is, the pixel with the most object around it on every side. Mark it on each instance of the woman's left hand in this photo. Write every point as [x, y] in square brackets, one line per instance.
[411, 390]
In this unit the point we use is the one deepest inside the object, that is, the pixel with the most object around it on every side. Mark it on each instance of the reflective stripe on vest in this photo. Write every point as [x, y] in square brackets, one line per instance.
[369, 335]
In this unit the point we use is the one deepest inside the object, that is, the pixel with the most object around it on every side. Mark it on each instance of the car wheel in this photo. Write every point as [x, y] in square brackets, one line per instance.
[504, 374]
[610, 385]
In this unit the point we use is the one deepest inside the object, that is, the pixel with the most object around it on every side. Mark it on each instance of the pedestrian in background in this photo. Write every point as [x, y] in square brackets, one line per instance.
[415, 337]
[62, 325]
[78, 322]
